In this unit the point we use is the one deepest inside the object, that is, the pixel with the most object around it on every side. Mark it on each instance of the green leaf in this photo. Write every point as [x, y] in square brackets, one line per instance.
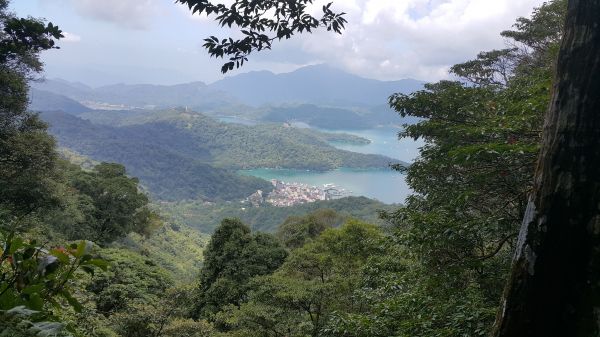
[72, 301]
[102, 264]
[88, 270]
[35, 302]
[33, 289]
[16, 244]
[61, 256]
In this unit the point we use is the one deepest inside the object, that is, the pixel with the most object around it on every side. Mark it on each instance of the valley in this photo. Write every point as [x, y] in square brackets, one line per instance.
[146, 190]
[206, 216]
[177, 142]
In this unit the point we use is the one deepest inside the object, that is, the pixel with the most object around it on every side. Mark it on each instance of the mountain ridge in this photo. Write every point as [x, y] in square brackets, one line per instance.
[317, 84]
[179, 154]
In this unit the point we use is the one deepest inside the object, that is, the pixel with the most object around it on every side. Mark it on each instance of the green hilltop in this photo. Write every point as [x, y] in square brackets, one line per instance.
[178, 154]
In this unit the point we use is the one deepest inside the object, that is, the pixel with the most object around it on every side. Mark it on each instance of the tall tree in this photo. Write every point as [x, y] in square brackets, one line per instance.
[554, 288]
[295, 231]
[233, 256]
[111, 203]
[27, 155]
[317, 282]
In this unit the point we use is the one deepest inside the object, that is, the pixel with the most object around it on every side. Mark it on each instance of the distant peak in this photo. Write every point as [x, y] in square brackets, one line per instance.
[319, 67]
[253, 73]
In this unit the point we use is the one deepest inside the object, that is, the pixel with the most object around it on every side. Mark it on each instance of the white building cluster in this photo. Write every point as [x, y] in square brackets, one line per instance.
[290, 194]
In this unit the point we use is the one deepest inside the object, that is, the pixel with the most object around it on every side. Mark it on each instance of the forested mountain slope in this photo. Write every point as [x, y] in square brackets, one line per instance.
[186, 155]
[333, 117]
[41, 100]
[165, 160]
[206, 216]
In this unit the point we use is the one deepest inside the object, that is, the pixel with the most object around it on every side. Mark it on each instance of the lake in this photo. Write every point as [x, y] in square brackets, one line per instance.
[384, 141]
[385, 185]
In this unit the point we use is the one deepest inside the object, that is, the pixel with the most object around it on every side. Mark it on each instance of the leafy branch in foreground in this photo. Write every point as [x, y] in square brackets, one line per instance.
[33, 277]
[22, 39]
[261, 23]
[35, 282]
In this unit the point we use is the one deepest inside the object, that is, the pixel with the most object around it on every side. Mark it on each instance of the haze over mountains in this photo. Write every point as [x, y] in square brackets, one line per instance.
[49, 101]
[318, 85]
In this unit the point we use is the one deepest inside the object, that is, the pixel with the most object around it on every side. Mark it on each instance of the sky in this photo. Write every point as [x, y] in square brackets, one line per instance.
[160, 42]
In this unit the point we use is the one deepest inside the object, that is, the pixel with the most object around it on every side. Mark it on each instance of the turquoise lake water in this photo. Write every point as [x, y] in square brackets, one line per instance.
[385, 185]
[384, 141]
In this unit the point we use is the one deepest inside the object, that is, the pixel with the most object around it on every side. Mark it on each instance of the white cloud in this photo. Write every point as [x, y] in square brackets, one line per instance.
[392, 39]
[70, 37]
[384, 39]
[203, 17]
[134, 14]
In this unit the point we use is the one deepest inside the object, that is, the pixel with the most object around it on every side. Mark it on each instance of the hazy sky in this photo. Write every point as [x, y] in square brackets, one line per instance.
[157, 41]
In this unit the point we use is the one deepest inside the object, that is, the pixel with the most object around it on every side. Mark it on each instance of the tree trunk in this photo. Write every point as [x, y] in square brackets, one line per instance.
[554, 288]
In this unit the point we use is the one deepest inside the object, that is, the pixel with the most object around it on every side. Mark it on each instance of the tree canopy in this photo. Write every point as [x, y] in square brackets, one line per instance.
[437, 269]
[26, 151]
[233, 256]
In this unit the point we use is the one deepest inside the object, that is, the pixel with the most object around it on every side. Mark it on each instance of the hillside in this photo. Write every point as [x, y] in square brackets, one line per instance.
[175, 247]
[318, 84]
[164, 159]
[183, 155]
[320, 117]
[41, 100]
[333, 118]
[237, 146]
[206, 216]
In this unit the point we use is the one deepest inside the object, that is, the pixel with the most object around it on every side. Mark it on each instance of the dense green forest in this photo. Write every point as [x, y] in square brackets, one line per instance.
[207, 216]
[47, 101]
[185, 155]
[224, 145]
[167, 161]
[85, 252]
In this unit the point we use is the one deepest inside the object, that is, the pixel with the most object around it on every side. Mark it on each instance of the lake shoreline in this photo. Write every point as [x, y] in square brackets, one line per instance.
[379, 183]
[385, 185]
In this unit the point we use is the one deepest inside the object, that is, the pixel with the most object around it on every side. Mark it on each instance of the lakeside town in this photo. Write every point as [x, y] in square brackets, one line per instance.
[292, 193]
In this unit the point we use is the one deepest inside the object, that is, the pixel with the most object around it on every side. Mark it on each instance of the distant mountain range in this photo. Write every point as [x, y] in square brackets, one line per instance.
[196, 95]
[316, 85]
[319, 85]
[320, 95]
[181, 154]
[41, 100]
